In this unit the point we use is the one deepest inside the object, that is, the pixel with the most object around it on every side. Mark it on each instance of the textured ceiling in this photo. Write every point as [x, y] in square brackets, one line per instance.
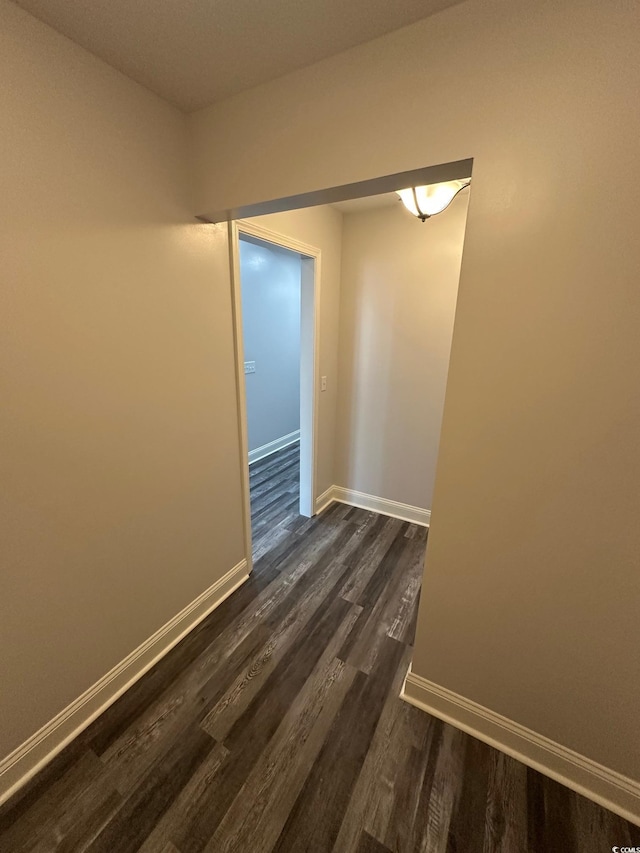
[195, 52]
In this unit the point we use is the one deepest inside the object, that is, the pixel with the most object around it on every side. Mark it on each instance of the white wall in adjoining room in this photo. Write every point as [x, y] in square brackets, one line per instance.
[270, 285]
[398, 296]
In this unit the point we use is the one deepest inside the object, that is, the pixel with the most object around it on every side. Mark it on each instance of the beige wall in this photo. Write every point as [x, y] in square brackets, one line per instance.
[120, 472]
[116, 306]
[320, 227]
[399, 287]
[532, 581]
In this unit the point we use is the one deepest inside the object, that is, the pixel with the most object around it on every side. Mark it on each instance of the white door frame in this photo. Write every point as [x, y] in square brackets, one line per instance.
[309, 364]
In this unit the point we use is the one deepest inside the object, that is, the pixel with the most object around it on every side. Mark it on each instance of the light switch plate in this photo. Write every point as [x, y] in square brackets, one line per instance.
[249, 367]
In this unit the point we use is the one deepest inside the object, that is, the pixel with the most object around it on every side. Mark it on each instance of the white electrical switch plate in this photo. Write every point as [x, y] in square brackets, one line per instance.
[323, 383]
[249, 367]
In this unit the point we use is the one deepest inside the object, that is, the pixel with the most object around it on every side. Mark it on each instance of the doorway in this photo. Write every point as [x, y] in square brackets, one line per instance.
[278, 449]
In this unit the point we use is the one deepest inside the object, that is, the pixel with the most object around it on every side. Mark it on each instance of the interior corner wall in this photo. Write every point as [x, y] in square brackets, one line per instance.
[531, 587]
[320, 227]
[270, 282]
[398, 297]
[120, 454]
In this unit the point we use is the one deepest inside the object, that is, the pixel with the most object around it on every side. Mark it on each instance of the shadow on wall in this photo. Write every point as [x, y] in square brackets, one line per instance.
[399, 290]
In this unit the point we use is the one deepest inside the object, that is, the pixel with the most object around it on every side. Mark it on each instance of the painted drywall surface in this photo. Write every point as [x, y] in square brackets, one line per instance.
[270, 279]
[120, 460]
[321, 228]
[532, 582]
[399, 288]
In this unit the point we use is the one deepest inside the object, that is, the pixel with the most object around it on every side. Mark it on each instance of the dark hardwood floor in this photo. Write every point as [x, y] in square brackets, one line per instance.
[274, 484]
[276, 725]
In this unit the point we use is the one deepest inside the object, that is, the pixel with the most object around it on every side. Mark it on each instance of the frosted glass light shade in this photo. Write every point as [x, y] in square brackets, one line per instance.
[424, 202]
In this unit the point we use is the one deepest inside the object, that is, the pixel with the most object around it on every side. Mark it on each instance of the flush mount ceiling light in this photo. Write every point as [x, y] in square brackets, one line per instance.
[425, 202]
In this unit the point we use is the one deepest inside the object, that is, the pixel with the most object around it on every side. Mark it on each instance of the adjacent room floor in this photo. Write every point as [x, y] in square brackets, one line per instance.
[277, 725]
[274, 485]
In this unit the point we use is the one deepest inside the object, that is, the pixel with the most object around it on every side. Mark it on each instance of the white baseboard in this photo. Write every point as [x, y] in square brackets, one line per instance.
[324, 500]
[25, 761]
[273, 446]
[615, 792]
[406, 512]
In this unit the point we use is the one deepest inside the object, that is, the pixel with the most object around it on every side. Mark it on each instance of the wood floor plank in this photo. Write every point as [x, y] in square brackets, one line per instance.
[468, 820]
[393, 576]
[406, 798]
[146, 805]
[429, 753]
[274, 536]
[368, 844]
[288, 677]
[287, 628]
[389, 782]
[27, 799]
[598, 829]
[403, 618]
[275, 461]
[262, 806]
[277, 724]
[271, 480]
[365, 561]
[343, 511]
[287, 553]
[183, 808]
[385, 570]
[275, 493]
[445, 783]
[374, 790]
[273, 516]
[505, 820]
[86, 826]
[270, 494]
[256, 726]
[306, 526]
[316, 817]
[263, 492]
[81, 789]
[557, 829]
[179, 708]
[535, 812]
